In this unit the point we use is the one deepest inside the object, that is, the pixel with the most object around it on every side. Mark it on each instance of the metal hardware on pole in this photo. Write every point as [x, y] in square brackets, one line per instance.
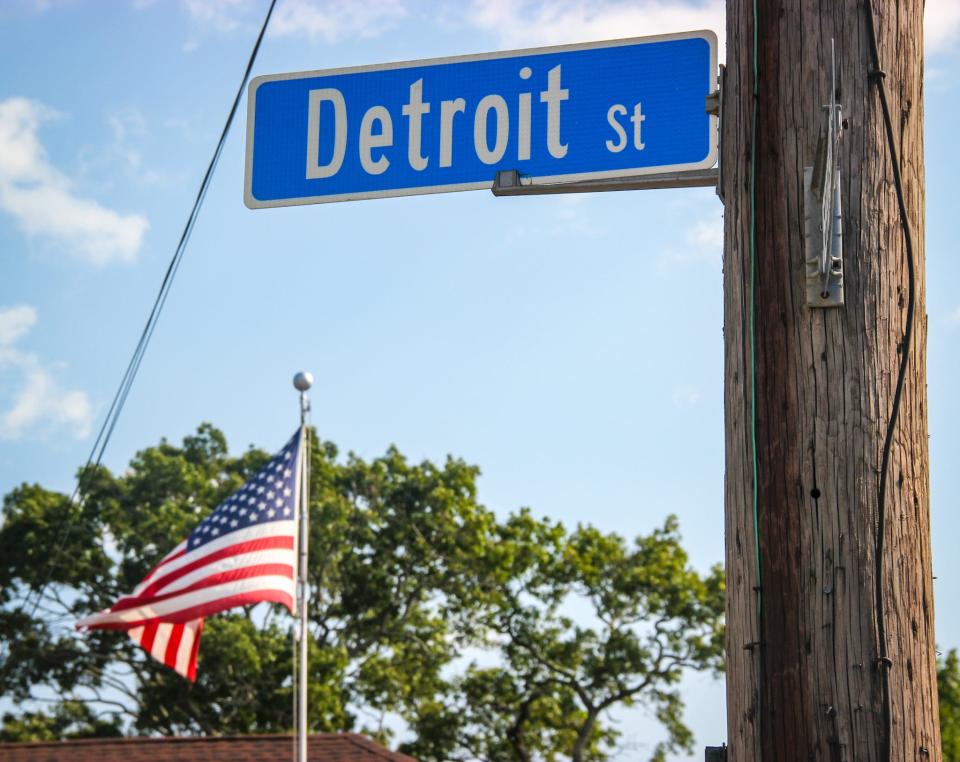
[715, 754]
[302, 382]
[823, 225]
[511, 183]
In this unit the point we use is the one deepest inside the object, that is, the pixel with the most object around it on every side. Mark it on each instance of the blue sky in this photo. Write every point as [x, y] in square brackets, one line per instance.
[570, 346]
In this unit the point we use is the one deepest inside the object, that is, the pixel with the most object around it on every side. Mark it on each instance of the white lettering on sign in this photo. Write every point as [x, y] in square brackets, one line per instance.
[380, 139]
[618, 109]
[484, 152]
[553, 96]
[448, 110]
[637, 120]
[414, 111]
[314, 170]
[523, 120]
[376, 135]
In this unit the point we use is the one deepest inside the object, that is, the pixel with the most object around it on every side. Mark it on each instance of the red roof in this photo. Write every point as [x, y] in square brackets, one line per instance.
[323, 747]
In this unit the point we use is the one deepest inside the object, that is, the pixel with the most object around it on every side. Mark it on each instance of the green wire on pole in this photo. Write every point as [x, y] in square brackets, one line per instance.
[753, 373]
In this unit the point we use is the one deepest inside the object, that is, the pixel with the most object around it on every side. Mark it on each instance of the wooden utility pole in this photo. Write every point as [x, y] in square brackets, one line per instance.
[803, 677]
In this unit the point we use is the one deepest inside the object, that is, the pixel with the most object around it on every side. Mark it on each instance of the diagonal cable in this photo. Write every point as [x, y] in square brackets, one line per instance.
[95, 457]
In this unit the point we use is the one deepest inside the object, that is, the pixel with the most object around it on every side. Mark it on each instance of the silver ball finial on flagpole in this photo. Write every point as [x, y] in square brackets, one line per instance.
[303, 381]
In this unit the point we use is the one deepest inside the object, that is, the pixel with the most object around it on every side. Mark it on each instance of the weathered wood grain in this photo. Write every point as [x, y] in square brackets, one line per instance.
[824, 386]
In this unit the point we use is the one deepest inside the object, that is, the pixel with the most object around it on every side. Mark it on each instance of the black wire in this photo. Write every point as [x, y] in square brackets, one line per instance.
[884, 662]
[95, 457]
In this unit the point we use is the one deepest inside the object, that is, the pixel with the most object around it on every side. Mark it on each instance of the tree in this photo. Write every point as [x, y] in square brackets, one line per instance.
[69, 719]
[408, 571]
[948, 689]
[582, 622]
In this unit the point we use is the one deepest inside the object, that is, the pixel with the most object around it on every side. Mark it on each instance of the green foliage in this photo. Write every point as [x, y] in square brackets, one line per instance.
[948, 690]
[69, 719]
[414, 585]
[643, 617]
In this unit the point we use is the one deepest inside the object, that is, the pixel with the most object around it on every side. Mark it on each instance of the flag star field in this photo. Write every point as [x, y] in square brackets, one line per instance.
[269, 495]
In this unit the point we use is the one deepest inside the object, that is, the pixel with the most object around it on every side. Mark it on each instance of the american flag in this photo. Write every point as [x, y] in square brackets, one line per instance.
[242, 553]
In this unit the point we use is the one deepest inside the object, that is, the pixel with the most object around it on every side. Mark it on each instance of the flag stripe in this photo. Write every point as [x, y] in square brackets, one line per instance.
[233, 575]
[259, 558]
[173, 644]
[241, 599]
[206, 608]
[205, 581]
[182, 644]
[195, 648]
[171, 556]
[259, 544]
[269, 529]
[214, 569]
[170, 610]
[159, 648]
[183, 658]
[149, 633]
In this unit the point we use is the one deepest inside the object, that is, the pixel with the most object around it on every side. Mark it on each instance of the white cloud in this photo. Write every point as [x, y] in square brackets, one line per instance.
[44, 5]
[40, 197]
[941, 25]
[130, 131]
[221, 14]
[685, 397]
[327, 21]
[333, 20]
[704, 245]
[707, 233]
[15, 322]
[127, 123]
[38, 400]
[526, 23]
[567, 216]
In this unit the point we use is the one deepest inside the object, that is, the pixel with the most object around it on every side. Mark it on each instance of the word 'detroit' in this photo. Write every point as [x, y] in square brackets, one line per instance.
[376, 132]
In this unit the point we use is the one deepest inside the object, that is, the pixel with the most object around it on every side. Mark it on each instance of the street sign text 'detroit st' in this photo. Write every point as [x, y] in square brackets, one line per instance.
[621, 108]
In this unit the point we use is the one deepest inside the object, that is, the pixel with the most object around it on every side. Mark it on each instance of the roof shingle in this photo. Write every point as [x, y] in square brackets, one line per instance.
[322, 747]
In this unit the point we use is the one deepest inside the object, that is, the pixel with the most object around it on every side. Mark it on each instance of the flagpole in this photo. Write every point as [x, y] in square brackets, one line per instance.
[302, 382]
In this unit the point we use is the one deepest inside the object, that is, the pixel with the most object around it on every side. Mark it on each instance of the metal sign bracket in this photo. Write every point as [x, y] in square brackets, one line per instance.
[823, 221]
[824, 246]
[509, 182]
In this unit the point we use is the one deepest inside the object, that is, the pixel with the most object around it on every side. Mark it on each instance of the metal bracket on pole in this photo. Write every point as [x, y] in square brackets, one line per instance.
[823, 220]
[715, 753]
[712, 104]
[721, 97]
[510, 182]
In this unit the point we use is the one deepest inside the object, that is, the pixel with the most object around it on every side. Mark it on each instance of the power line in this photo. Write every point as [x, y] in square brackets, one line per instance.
[95, 457]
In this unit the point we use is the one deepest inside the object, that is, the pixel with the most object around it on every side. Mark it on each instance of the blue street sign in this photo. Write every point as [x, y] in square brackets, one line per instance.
[574, 112]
